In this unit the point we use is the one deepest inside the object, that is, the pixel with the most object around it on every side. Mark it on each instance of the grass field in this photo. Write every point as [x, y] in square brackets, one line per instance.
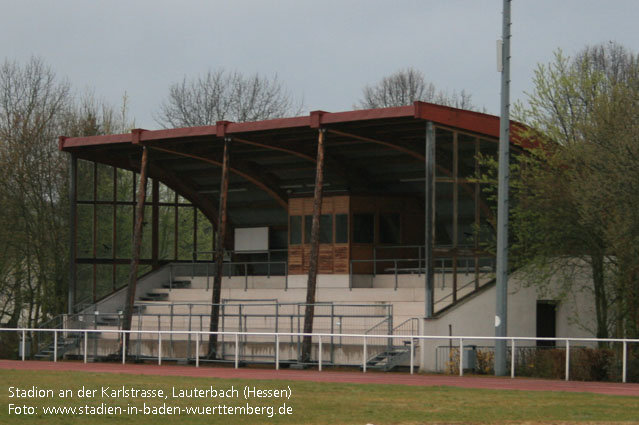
[311, 403]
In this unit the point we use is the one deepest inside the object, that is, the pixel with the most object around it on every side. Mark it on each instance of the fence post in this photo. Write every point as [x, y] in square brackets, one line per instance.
[123, 347]
[285, 276]
[364, 356]
[412, 354]
[237, 351]
[207, 276]
[394, 261]
[461, 357]
[171, 334]
[85, 346]
[567, 360]
[625, 362]
[332, 332]
[350, 276]
[159, 348]
[23, 343]
[319, 354]
[188, 353]
[197, 349]
[277, 351]
[55, 346]
[512, 358]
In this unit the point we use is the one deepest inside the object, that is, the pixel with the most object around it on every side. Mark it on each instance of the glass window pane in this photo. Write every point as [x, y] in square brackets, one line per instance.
[105, 183]
[326, 228]
[104, 246]
[122, 275]
[466, 156]
[487, 222]
[167, 195]
[84, 291]
[443, 153]
[389, 230]
[85, 231]
[466, 215]
[444, 214]
[104, 280]
[295, 229]
[341, 228]
[166, 233]
[125, 185]
[363, 228]
[185, 233]
[85, 180]
[124, 231]
[204, 237]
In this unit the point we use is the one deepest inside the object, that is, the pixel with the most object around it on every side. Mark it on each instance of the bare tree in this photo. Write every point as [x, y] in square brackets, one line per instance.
[407, 86]
[35, 108]
[222, 95]
[32, 184]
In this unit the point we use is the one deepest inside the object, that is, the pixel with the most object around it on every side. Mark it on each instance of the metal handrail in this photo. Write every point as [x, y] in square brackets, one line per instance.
[245, 264]
[319, 336]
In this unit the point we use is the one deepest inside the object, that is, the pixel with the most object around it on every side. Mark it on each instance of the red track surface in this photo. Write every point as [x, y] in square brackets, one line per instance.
[334, 376]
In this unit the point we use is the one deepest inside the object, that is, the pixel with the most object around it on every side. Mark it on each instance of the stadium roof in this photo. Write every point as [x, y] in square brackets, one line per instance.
[374, 151]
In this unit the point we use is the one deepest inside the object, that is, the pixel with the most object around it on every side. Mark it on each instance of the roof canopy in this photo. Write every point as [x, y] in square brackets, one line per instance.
[376, 151]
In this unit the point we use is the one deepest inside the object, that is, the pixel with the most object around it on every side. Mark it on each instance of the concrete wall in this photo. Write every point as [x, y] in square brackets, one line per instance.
[476, 317]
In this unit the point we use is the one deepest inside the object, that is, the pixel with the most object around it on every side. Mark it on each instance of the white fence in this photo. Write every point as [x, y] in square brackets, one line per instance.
[320, 337]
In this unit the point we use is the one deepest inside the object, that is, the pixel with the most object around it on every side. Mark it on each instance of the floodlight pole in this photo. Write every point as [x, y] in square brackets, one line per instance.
[502, 200]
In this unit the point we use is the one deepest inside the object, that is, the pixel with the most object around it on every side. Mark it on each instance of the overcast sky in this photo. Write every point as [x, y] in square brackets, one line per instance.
[323, 51]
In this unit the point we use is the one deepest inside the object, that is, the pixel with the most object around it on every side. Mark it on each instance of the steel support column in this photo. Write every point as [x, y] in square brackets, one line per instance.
[73, 229]
[219, 250]
[429, 186]
[313, 265]
[501, 310]
[137, 244]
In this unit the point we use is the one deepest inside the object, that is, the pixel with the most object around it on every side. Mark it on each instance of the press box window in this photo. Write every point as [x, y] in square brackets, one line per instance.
[341, 228]
[326, 228]
[389, 231]
[363, 228]
[295, 229]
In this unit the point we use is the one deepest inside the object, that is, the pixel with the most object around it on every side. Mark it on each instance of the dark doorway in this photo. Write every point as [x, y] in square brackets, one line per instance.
[546, 322]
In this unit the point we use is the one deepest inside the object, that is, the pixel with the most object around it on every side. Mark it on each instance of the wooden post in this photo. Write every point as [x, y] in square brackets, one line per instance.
[219, 251]
[137, 243]
[155, 224]
[312, 269]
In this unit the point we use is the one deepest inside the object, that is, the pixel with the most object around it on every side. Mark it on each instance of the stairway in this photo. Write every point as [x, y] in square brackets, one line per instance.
[65, 343]
[390, 358]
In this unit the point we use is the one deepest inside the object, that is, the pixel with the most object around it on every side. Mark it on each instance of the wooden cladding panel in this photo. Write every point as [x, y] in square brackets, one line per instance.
[330, 205]
[340, 259]
[295, 260]
[326, 259]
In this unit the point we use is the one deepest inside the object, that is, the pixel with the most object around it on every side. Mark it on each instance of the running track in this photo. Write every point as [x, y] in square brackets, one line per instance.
[334, 376]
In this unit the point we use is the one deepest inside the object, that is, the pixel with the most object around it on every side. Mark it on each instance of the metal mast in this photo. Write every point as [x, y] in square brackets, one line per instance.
[502, 201]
